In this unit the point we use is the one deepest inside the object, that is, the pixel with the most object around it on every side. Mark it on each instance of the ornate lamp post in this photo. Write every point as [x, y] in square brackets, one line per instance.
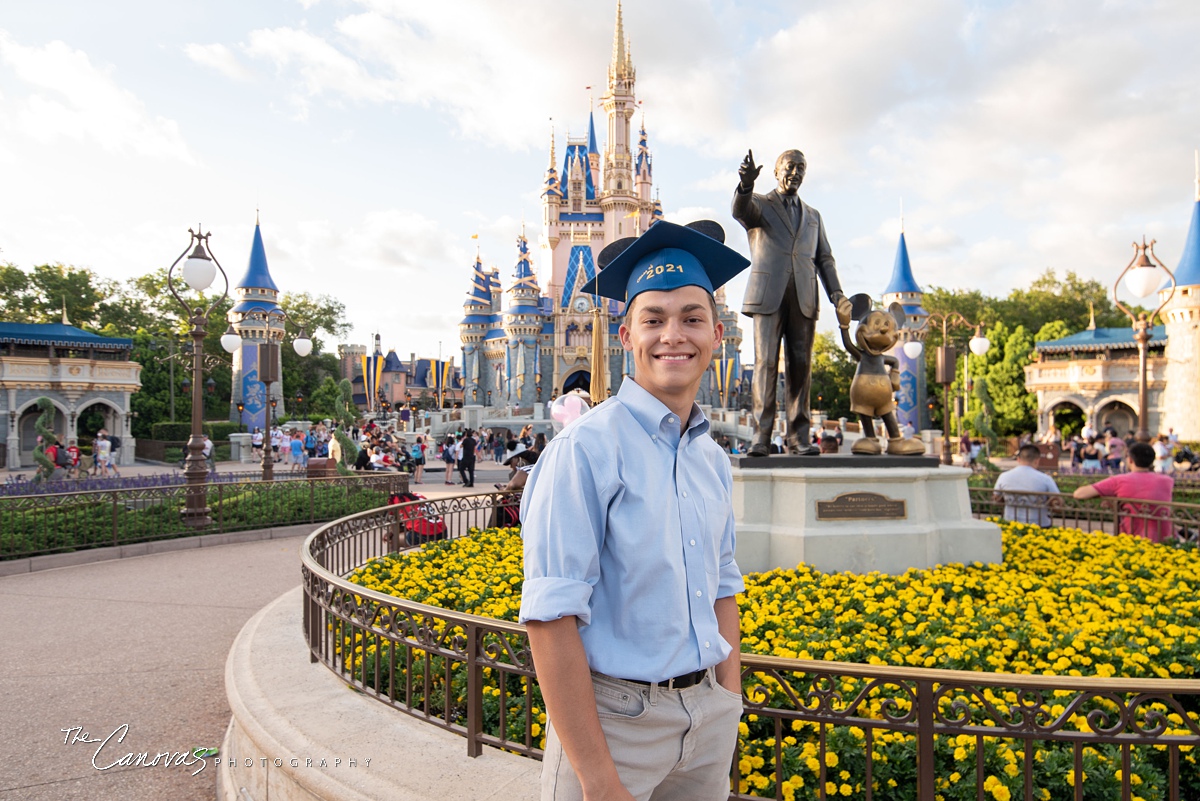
[1142, 279]
[241, 407]
[300, 402]
[947, 359]
[198, 272]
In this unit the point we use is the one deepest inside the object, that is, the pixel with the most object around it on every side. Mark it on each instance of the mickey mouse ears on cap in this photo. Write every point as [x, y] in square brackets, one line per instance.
[666, 257]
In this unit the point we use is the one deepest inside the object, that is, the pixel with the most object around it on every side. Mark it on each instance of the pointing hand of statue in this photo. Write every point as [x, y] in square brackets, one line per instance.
[748, 172]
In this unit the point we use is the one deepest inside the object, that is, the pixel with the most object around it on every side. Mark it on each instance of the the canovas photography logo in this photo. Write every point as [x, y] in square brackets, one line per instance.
[111, 753]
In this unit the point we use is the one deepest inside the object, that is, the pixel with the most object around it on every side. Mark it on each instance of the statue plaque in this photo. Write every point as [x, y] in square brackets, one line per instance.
[862, 506]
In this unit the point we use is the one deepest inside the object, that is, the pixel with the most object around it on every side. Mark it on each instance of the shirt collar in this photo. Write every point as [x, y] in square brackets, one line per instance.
[651, 413]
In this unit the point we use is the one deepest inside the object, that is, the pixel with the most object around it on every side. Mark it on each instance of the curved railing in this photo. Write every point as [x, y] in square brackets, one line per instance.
[473, 675]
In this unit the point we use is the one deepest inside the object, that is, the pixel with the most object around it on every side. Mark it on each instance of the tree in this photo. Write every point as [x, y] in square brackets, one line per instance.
[326, 400]
[315, 315]
[1069, 300]
[15, 301]
[1055, 329]
[982, 422]
[1015, 408]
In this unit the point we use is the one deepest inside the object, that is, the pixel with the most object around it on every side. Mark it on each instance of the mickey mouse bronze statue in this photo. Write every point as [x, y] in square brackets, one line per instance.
[872, 390]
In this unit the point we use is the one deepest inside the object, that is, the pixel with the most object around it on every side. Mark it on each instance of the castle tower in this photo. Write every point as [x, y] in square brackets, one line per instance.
[903, 289]
[619, 199]
[1181, 402]
[643, 171]
[522, 322]
[257, 296]
[594, 196]
[477, 322]
[726, 370]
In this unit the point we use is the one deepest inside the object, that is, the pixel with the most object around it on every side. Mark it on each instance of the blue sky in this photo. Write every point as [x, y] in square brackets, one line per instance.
[376, 136]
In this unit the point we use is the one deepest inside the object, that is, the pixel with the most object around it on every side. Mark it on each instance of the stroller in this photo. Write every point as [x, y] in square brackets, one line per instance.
[1186, 460]
[417, 526]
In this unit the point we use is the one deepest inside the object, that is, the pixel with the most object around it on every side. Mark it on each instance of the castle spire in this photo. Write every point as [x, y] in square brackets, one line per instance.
[902, 278]
[621, 69]
[552, 157]
[258, 275]
[618, 58]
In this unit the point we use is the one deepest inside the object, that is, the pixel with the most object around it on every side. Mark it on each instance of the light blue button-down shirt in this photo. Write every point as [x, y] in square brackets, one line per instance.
[629, 527]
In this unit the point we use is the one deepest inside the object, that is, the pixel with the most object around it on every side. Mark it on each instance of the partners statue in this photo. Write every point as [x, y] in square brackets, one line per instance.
[788, 252]
[873, 388]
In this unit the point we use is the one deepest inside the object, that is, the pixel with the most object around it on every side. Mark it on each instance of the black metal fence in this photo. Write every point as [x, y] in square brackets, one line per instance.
[812, 729]
[32, 525]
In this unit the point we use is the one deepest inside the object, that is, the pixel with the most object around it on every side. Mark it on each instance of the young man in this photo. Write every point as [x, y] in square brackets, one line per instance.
[1140, 482]
[630, 575]
[1025, 477]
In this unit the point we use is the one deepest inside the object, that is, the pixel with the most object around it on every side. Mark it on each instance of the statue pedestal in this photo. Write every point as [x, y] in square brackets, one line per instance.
[855, 514]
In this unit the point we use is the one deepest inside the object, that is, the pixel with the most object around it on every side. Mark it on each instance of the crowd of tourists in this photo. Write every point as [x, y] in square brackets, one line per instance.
[1092, 451]
[71, 462]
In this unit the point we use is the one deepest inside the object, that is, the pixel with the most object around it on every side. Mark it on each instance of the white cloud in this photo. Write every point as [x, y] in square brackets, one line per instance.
[218, 57]
[70, 98]
[403, 53]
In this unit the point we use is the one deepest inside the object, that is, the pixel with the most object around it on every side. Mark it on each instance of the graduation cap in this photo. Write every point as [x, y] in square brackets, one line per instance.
[666, 257]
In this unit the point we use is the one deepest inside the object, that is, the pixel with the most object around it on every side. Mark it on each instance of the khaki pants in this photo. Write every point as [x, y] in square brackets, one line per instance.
[668, 745]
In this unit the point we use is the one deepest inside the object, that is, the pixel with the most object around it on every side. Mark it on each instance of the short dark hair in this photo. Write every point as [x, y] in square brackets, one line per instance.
[1141, 454]
[1029, 453]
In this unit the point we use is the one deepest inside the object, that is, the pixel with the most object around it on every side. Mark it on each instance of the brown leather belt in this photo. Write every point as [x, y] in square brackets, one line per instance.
[677, 683]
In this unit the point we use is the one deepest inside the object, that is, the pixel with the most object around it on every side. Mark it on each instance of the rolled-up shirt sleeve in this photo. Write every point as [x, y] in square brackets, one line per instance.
[562, 524]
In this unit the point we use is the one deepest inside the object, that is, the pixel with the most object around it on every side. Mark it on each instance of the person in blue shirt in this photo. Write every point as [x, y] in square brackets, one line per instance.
[628, 533]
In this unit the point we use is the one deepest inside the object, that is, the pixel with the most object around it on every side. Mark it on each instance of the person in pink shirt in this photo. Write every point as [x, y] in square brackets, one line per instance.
[1141, 483]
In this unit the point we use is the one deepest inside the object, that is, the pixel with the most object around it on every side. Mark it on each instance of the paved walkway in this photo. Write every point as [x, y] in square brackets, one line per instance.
[139, 641]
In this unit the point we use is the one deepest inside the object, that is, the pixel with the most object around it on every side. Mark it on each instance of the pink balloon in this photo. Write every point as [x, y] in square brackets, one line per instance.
[568, 408]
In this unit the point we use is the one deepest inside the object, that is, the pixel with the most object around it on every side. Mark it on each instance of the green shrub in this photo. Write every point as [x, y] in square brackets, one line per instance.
[171, 432]
[219, 432]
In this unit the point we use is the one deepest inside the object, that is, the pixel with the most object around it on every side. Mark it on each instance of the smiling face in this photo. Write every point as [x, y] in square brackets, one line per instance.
[878, 332]
[789, 171]
[672, 336]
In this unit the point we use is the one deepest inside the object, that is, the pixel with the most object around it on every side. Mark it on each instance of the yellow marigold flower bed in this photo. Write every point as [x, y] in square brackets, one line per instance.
[1064, 602]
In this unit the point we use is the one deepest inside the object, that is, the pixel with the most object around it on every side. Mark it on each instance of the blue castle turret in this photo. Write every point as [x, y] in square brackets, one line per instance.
[904, 289]
[257, 297]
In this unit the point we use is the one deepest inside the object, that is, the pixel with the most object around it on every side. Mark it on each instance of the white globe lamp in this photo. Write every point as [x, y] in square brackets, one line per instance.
[302, 344]
[979, 344]
[199, 270]
[230, 340]
[912, 348]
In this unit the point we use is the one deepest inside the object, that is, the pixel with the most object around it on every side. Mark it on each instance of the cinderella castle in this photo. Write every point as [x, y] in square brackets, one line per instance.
[533, 341]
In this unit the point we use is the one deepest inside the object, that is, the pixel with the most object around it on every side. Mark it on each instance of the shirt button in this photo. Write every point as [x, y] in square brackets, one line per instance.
[698, 593]
[707, 644]
[670, 419]
[685, 493]
[654, 437]
[691, 542]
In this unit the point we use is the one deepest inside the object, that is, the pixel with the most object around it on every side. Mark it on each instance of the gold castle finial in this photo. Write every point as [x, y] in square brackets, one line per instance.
[1091, 316]
[620, 67]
